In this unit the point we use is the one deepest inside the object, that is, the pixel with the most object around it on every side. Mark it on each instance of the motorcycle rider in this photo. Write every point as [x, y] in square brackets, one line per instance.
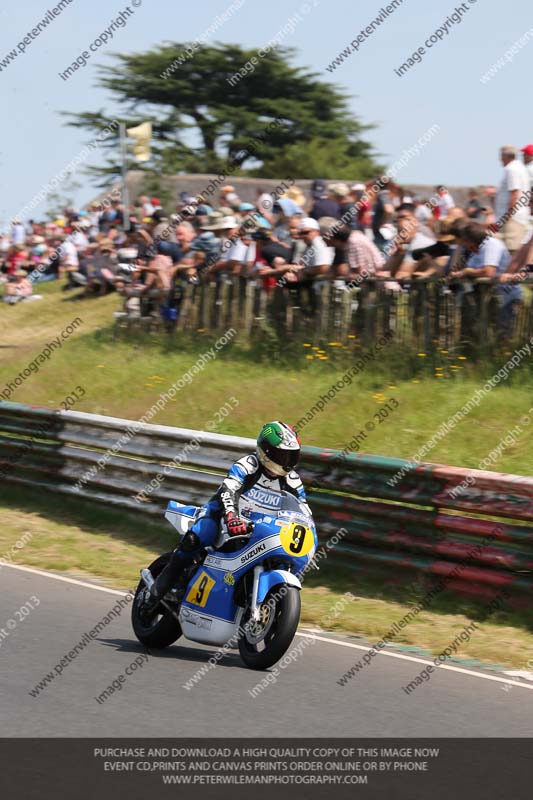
[252, 487]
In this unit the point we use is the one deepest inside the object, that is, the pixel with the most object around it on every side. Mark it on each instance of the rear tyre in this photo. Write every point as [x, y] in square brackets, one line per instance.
[265, 641]
[158, 628]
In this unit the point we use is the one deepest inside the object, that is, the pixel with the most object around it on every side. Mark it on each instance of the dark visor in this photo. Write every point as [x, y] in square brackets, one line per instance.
[287, 459]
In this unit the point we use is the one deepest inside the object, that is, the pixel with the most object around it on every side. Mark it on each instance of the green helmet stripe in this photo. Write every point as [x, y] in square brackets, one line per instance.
[271, 433]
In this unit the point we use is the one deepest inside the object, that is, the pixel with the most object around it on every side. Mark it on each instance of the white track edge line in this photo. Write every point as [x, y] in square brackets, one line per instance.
[448, 667]
[63, 578]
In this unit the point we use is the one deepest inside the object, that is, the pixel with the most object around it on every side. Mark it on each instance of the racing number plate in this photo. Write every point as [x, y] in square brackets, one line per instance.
[297, 539]
[199, 591]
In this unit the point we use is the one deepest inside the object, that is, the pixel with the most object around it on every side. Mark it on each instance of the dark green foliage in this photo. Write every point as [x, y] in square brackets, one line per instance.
[201, 122]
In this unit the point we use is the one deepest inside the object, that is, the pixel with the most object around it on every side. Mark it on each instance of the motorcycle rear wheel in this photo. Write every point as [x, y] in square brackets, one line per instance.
[280, 617]
[160, 629]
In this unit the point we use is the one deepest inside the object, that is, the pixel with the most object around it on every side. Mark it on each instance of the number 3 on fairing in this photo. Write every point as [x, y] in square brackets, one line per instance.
[199, 591]
[296, 539]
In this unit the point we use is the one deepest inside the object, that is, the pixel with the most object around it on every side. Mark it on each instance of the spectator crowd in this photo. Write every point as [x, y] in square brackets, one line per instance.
[346, 233]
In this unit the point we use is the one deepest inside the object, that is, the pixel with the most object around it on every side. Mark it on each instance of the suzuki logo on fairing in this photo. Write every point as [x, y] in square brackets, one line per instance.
[254, 552]
[196, 619]
[268, 498]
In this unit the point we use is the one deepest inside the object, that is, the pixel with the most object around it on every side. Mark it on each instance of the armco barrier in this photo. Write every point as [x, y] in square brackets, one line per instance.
[399, 520]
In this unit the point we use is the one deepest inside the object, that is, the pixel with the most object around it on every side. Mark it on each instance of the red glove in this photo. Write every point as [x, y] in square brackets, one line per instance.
[236, 525]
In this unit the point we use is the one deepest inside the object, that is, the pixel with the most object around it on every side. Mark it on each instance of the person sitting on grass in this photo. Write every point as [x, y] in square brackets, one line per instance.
[19, 288]
[102, 270]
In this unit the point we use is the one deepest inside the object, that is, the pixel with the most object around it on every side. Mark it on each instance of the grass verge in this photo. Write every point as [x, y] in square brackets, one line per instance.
[125, 377]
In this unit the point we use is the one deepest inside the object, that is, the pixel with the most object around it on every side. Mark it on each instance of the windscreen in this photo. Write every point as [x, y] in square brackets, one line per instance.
[291, 503]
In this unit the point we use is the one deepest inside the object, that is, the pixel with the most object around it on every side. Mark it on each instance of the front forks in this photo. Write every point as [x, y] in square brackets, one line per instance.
[149, 581]
[254, 609]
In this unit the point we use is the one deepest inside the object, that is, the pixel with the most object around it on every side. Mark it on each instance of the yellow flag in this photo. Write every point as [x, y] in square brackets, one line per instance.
[142, 135]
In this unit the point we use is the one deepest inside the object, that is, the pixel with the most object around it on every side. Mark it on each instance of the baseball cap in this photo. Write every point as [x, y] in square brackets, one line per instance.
[309, 224]
[528, 149]
[318, 188]
[358, 187]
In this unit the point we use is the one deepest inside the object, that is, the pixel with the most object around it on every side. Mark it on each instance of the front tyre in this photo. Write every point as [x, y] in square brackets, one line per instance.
[159, 628]
[263, 642]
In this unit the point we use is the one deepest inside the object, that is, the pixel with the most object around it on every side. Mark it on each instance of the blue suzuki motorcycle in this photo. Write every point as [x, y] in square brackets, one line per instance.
[243, 592]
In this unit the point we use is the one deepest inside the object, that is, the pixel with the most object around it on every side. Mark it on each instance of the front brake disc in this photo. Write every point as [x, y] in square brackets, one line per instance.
[256, 630]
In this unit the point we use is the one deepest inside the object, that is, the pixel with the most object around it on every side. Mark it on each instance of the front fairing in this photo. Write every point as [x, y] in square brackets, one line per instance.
[292, 538]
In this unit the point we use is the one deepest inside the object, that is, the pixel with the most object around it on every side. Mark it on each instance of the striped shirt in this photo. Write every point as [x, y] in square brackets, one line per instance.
[363, 256]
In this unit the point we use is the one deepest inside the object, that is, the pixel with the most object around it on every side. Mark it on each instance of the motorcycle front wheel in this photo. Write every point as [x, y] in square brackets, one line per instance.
[264, 641]
[160, 628]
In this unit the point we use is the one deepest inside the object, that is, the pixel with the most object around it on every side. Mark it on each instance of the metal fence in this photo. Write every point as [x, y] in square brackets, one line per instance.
[400, 519]
[424, 315]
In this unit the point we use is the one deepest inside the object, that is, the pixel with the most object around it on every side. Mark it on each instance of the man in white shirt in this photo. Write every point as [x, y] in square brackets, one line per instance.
[317, 257]
[146, 206]
[68, 256]
[241, 255]
[422, 211]
[18, 234]
[264, 204]
[313, 261]
[314, 265]
[78, 238]
[446, 202]
[512, 200]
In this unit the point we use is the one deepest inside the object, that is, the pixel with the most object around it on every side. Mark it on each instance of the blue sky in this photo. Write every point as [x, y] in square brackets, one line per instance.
[444, 89]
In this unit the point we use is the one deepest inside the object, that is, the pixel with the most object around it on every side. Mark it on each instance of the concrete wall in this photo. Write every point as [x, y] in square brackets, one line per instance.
[247, 187]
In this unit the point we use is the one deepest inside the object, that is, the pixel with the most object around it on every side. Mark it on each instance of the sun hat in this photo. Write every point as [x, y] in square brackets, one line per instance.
[327, 225]
[309, 224]
[211, 222]
[220, 223]
[339, 189]
[206, 243]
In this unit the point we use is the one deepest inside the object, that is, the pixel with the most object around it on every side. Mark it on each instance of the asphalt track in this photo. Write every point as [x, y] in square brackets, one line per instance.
[305, 701]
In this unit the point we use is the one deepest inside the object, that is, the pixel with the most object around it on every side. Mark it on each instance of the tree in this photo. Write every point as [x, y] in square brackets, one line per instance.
[321, 158]
[204, 115]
